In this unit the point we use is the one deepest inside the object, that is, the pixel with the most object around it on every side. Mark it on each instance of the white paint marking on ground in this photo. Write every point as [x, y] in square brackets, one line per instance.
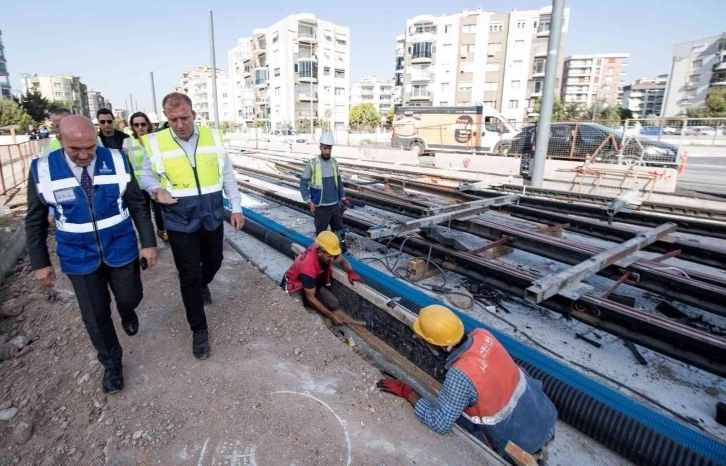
[321, 402]
[201, 453]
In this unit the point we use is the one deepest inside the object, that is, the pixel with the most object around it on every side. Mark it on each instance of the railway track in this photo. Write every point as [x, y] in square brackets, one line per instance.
[669, 337]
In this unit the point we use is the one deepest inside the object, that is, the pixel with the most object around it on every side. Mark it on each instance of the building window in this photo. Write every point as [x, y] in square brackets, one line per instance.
[467, 49]
[339, 91]
[521, 24]
[465, 87]
[491, 86]
[326, 71]
[513, 104]
[420, 90]
[341, 41]
[339, 73]
[494, 47]
[59, 94]
[518, 45]
[490, 103]
[327, 90]
[57, 85]
[469, 29]
[515, 85]
[277, 72]
[544, 26]
[496, 27]
[539, 65]
[224, 95]
[697, 63]
[422, 50]
[517, 65]
[444, 87]
[444, 103]
[448, 28]
[340, 56]
[308, 69]
[492, 66]
[694, 78]
[277, 90]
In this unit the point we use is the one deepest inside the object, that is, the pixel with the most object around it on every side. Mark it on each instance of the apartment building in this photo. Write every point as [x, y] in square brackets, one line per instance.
[68, 88]
[478, 56]
[299, 70]
[197, 84]
[242, 87]
[375, 91]
[696, 68]
[398, 76]
[594, 79]
[121, 114]
[5, 90]
[644, 96]
[96, 102]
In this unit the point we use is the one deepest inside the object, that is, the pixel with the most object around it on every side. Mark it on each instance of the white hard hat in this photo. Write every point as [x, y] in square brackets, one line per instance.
[327, 139]
[153, 117]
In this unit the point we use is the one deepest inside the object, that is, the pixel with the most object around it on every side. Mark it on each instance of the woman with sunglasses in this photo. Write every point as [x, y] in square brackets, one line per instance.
[140, 126]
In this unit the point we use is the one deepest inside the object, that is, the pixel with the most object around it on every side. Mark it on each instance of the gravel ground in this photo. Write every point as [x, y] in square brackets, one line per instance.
[279, 388]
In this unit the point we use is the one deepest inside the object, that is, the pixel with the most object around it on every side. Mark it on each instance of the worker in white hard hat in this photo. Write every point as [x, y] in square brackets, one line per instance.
[322, 189]
[499, 401]
[154, 118]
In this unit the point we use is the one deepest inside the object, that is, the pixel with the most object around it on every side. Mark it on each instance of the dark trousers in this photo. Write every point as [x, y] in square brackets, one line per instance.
[328, 215]
[92, 291]
[158, 218]
[324, 295]
[198, 257]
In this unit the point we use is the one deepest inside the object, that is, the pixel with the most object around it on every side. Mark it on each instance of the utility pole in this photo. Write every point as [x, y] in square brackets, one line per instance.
[213, 59]
[153, 93]
[548, 93]
[131, 103]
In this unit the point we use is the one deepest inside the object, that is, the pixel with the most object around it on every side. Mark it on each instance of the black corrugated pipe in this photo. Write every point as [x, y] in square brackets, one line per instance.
[616, 430]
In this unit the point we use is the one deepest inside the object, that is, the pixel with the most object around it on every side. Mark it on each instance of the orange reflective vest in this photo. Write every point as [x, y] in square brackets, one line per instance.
[498, 381]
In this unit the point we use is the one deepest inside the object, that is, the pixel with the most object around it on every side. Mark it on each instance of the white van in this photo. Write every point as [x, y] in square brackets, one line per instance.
[452, 129]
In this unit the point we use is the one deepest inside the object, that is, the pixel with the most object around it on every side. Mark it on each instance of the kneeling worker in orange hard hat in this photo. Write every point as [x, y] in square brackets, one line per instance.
[312, 272]
[498, 399]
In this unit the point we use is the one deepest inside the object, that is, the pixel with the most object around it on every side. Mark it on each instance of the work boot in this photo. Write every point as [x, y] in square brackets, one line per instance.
[200, 344]
[113, 379]
[130, 325]
[207, 296]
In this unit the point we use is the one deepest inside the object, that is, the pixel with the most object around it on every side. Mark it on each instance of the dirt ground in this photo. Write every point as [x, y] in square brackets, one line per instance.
[278, 389]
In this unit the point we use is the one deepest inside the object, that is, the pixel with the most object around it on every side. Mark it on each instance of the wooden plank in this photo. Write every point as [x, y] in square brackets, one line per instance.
[519, 456]
[419, 271]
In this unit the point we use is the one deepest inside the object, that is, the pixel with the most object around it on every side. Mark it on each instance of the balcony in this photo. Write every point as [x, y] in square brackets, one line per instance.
[718, 81]
[262, 101]
[259, 47]
[543, 30]
[306, 34]
[306, 96]
[420, 76]
[720, 66]
[307, 71]
[422, 52]
[246, 72]
[306, 54]
[421, 95]
[261, 77]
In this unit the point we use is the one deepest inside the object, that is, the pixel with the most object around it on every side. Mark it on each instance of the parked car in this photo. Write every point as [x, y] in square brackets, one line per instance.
[286, 135]
[699, 131]
[579, 141]
[671, 130]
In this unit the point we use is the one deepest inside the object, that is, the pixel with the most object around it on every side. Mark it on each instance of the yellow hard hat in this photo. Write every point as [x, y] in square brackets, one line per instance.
[438, 325]
[329, 242]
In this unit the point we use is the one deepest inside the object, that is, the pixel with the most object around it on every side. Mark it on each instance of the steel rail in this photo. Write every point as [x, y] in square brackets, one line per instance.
[673, 339]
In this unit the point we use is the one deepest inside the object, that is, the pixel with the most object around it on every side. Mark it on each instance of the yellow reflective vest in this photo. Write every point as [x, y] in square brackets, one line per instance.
[135, 152]
[197, 188]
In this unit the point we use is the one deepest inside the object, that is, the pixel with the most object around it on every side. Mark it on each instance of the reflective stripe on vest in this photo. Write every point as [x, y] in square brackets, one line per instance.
[172, 165]
[135, 151]
[47, 188]
[316, 175]
[498, 381]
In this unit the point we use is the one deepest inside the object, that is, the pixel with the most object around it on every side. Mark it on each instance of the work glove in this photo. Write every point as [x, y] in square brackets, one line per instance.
[354, 277]
[395, 387]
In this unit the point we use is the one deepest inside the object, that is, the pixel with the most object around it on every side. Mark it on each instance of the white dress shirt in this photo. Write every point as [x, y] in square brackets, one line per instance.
[78, 171]
[150, 180]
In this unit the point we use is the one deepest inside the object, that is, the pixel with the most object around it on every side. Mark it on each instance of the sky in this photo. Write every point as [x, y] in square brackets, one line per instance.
[113, 46]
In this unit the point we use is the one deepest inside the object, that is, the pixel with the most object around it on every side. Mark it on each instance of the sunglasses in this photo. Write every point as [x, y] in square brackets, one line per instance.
[139, 125]
[106, 122]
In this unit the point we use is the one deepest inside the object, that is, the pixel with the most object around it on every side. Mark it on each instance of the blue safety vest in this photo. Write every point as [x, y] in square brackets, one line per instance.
[88, 232]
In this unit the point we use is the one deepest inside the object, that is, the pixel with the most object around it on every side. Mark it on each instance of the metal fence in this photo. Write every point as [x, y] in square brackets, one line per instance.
[15, 163]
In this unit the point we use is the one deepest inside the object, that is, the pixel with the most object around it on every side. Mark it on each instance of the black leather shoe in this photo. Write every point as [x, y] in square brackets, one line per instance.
[130, 326]
[200, 344]
[113, 379]
[207, 295]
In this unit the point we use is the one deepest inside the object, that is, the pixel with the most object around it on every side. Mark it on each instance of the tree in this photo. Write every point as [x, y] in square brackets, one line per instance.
[390, 115]
[62, 103]
[11, 113]
[716, 103]
[260, 123]
[570, 111]
[364, 115]
[625, 114]
[697, 112]
[35, 105]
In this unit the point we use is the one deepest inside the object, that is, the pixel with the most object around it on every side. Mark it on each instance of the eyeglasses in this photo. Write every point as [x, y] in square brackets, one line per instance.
[140, 125]
[106, 122]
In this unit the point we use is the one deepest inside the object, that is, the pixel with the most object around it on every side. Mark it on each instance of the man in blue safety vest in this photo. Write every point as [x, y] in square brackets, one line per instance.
[95, 199]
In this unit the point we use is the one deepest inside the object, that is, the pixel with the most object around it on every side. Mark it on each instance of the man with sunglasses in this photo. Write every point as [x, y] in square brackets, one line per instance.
[310, 275]
[110, 137]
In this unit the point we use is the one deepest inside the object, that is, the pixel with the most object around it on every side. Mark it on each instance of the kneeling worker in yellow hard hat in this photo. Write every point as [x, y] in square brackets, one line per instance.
[310, 275]
[498, 399]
